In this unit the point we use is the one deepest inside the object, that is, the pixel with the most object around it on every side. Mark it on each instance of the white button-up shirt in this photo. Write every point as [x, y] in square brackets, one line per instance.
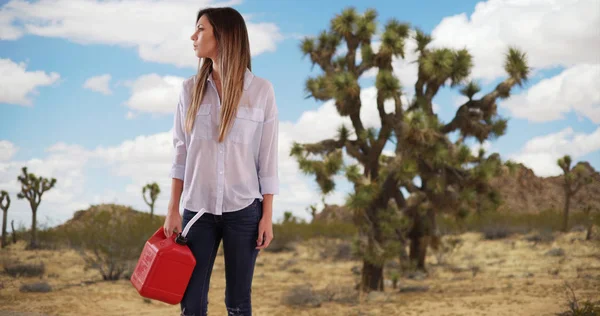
[227, 176]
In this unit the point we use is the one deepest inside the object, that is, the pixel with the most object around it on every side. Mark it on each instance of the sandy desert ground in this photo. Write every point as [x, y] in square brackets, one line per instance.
[511, 276]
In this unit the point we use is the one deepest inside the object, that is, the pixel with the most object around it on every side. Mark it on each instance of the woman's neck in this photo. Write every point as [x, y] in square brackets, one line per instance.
[215, 72]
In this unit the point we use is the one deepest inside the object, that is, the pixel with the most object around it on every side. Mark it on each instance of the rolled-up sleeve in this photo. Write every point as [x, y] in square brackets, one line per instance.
[268, 150]
[179, 140]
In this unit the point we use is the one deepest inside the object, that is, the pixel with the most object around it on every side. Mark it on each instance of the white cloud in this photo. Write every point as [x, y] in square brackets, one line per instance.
[99, 84]
[575, 89]
[141, 158]
[154, 28]
[407, 69]
[541, 153]
[153, 93]
[486, 145]
[7, 150]
[7, 30]
[130, 115]
[17, 85]
[552, 33]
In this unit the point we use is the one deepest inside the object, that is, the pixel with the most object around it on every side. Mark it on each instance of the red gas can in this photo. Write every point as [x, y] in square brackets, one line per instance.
[165, 266]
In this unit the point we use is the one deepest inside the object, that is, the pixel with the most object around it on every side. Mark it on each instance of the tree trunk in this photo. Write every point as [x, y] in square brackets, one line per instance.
[566, 212]
[418, 242]
[14, 233]
[372, 277]
[418, 251]
[589, 232]
[33, 243]
[4, 237]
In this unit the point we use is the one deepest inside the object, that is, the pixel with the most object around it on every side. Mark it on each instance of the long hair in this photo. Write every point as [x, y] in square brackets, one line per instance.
[233, 56]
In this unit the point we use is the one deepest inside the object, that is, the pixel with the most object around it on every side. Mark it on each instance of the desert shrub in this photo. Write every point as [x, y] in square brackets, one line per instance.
[447, 246]
[110, 237]
[289, 232]
[344, 251]
[576, 307]
[301, 296]
[19, 269]
[339, 250]
[555, 252]
[495, 231]
[38, 287]
[541, 236]
[339, 293]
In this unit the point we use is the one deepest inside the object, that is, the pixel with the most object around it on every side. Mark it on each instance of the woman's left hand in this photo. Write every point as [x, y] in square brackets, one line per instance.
[265, 233]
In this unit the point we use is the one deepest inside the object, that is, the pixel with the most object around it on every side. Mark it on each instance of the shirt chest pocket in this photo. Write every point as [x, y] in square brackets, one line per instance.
[202, 124]
[246, 124]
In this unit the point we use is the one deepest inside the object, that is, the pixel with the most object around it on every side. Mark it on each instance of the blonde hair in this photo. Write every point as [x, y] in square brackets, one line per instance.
[233, 54]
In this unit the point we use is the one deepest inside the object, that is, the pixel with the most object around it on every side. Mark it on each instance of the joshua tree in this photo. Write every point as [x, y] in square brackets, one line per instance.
[4, 197]
[575, 178]
[451, 178]
[312, 210]
[288, 217]
[32, 189]
[153, 190]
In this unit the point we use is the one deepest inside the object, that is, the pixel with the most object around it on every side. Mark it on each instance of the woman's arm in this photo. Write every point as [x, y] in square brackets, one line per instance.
[176, 190]
[267, 207]
[268, 151]
[173, 219]
[267, 170]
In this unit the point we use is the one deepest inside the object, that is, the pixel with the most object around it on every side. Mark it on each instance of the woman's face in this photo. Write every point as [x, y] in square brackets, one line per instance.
[205, 44]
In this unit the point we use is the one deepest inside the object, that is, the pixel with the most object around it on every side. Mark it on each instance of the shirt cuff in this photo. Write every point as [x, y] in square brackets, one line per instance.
[269, 185]
[177, 171]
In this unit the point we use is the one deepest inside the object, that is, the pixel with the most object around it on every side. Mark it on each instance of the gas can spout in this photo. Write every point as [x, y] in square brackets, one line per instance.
[181, 240]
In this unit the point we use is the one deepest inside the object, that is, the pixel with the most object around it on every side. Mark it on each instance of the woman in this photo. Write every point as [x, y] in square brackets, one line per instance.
[225, 164]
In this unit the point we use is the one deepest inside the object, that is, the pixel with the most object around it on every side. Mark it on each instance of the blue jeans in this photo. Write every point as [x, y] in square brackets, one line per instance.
[239, 231]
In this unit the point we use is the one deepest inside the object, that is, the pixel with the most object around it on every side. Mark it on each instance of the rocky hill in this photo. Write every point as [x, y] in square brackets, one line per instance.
[521, 191]
[122, 213]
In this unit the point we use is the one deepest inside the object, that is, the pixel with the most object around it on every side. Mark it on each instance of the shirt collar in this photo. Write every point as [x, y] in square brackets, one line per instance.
[248, 76]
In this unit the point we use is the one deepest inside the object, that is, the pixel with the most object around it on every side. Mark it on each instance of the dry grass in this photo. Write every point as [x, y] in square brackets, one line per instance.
[510, 276]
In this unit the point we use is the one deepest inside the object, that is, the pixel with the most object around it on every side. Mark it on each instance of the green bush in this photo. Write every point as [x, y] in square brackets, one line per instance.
[111, 237]
[287, 233]
[496, 224]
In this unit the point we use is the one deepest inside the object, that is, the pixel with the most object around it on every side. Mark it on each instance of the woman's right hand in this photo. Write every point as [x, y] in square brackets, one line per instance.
[172, 222]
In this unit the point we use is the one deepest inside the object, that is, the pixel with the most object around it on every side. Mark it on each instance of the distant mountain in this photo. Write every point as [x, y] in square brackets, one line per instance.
[521, 191]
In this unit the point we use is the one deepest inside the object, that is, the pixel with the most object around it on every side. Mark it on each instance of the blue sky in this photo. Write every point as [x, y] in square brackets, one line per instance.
[103, 147]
